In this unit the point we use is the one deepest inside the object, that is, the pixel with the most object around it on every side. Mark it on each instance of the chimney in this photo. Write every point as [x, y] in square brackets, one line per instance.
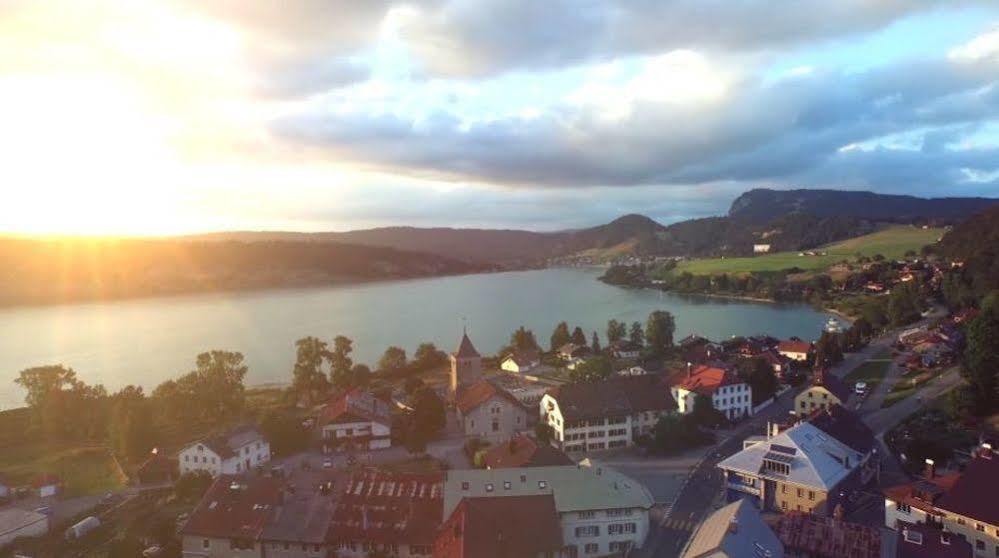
[931, 469]
[688, 370]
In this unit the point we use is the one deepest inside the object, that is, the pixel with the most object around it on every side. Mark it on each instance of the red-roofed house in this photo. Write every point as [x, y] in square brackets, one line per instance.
[728, 393]
[357, 419]
[816, 536]
[501, 527]
[795, 350]
[523, 451]
[490, 412]
[230, 518]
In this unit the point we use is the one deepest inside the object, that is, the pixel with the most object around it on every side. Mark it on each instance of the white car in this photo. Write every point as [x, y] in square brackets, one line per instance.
[860, 388]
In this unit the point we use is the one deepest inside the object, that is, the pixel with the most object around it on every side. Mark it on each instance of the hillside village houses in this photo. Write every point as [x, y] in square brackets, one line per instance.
[601, 511]
[796, 350]
[729, 394]
[356, 419]
[521, 362]
[236, 451]
[605, 415]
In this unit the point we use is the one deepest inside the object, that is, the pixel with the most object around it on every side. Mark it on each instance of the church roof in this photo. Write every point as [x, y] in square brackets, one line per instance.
[465, 348]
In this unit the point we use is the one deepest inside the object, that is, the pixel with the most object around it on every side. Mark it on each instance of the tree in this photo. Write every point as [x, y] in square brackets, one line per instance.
[130, 430]
[903, 304]
[190, 487]
[591, 370]
[980, 365]
[542, 432]
[522, 339]
[394, 360]
[595, 344]
[61, 405]
[673, 433]
[284, 432]
[616, 331]
[427, 420]
[828, 350]
[761, 379]
[637, 336]
[412, 385]
[659, 330]
[308, 379]
[360, 375]
[560, 336]
[578, 337]
[704, 413]
[427, 356]
[216, 385]
[340, 362]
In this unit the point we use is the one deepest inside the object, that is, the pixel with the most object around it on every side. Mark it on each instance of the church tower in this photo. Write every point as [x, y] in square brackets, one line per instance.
[466, 365]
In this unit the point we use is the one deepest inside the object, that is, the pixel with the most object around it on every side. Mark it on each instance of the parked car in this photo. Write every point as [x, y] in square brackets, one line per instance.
[860, 388]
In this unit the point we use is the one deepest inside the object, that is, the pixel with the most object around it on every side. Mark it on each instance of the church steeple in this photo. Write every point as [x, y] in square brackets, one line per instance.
[466, 364]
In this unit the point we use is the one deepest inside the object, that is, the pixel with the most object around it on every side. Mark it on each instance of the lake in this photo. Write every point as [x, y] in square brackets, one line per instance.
[147, 341]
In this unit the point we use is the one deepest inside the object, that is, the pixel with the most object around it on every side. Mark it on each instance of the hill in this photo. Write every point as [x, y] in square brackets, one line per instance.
[66, 270]
[762, 205]
[974, 243]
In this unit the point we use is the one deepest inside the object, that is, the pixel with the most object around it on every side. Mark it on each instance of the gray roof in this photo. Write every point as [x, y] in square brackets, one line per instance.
[734, 531]
[815, 458]
[616, 396]
[587, 486]
[228, 443]
[303, 517]
[13, 519]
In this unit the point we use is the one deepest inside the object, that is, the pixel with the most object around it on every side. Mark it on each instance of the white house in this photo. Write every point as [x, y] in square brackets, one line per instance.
[602, 512]
[728, 393]
[761, 248]
[521, 362]
[236, 451]
[795, 350]
[15, 522]
[358, 419]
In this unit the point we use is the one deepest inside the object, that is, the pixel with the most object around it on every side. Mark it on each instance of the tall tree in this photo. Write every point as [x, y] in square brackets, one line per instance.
[428, 356]
[61, 405]
[360, 375]
[980, 365]
[427, 420]
[637, 336]
[522, 339]
[308, 379]
[130, 429]
[616, 331]
[393, 360]
[340, 362]
[216, 385]
[578, 337]
[828, 349]
[659, 330]
[560, 336]
[595, 344]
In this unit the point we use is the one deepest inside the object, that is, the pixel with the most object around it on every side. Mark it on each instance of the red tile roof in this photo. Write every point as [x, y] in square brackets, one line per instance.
[825, 537]
[355, 406]
[976, 492]
[923, 493]
[523, 451]
[389, 508]
[235, 508]
[706, 379]
[794, 347]
[501, 527]
[480, 392]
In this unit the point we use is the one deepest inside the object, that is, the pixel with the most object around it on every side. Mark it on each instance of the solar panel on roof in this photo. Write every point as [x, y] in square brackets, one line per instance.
[779, 457]
[783, 449]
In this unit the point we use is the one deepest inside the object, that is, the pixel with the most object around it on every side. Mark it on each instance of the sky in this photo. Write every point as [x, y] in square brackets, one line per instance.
[153, 117]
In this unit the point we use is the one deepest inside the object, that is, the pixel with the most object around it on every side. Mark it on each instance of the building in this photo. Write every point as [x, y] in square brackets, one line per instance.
[47, 485]
[526, 389]
[839, 423]
[236, 451]
[356, 419]
[242, 517]
[466, 365]
[489, 412]
[825, 390]
[16, 523]
[501, 527]
[521, 362]
[800, 469]
[624, 349]
[395, 513]
[729, 394]
[734, 531]
[808, 535]
[761, 248]
[777, 362]
[602, 415]
[601, 511]
[922, 541]
[523, 451]
[796, 350]
[962, 504]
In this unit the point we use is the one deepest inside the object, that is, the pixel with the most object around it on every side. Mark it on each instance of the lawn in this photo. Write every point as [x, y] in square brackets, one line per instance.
[891, 243]
[872, 371]
[84, 469]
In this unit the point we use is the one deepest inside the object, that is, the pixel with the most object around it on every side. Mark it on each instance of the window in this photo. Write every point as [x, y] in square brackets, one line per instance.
[586, 515]
[783, 489]
[495, 425]
[591, 548]
[523, 478]
[542, 485]
[620, 546]
[588, 531]
[783, 504]
[205, 543]
[979, 527]
[186, 457]
[811, 495]
[464, 486]
[903, 507]
[489, 487]
[506, 485]
[979, 545]
[801, 492]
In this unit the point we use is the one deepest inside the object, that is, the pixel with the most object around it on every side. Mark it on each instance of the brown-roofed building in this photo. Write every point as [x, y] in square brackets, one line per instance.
[796, 350]
[728, 392]
[523, 451]
[815, 536]
[488, 411]
[607, 414]
[395, 513]
[521, 362]
[922, 541]
[466, 365]
[501, 527]
[826, 389]
[356, 419]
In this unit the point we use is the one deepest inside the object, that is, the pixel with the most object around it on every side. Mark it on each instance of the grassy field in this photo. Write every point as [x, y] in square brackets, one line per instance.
[892, 242]
[872, 371]
[85, 470]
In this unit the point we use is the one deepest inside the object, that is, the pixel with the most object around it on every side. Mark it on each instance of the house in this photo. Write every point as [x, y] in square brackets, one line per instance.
[521, 362]
[608, 414]
[157, 469]
[736, 530]
[526, 389]
[601, 511]
[490, 412]
[729, 394]
[814, 536]
[962, 504]
[356, 419]
[922, 541]
[777, 362]
[16, 523]
[501, 527]
[571, 351]
[761, 248]
[395, 513]
[523, 451]
[233, 452]
[826, 389]
[795, 350]
[466, 366]
[800, 469]
[633, 371]
[259, 517]
[839, 423]
[47, 485]
[625, 349]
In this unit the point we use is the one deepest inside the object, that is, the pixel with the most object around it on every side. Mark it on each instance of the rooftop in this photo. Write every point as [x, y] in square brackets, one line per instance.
[389, 508]
[12, 519]
[706, 379]
[235, 507]
[617, 396]
[835, 386]
[227, 443]
[356, 406]
[734, 531]
[470, 397]
[503, 527]
[845, 426]
[922, 541]
[976, 492]
[524, 451]
[465, 348]
[825, 537]
[794, 347]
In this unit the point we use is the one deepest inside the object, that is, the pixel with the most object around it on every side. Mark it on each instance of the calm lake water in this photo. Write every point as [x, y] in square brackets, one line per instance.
[150, 340]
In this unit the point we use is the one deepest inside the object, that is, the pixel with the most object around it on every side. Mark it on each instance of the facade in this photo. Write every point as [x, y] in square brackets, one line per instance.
[489, 412]
[800, 469]
[729, 394]
[795, 350]
[523, 451]
[922, 541]
[761, 248]
[237, 451]
[600, 510]
[15, 523]
[466, 365]
[521, 362]
[528, 527]
[625, 349]
[603, 415]
[356, 419]
[395, 513]
[734, 531]
[825, 391]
